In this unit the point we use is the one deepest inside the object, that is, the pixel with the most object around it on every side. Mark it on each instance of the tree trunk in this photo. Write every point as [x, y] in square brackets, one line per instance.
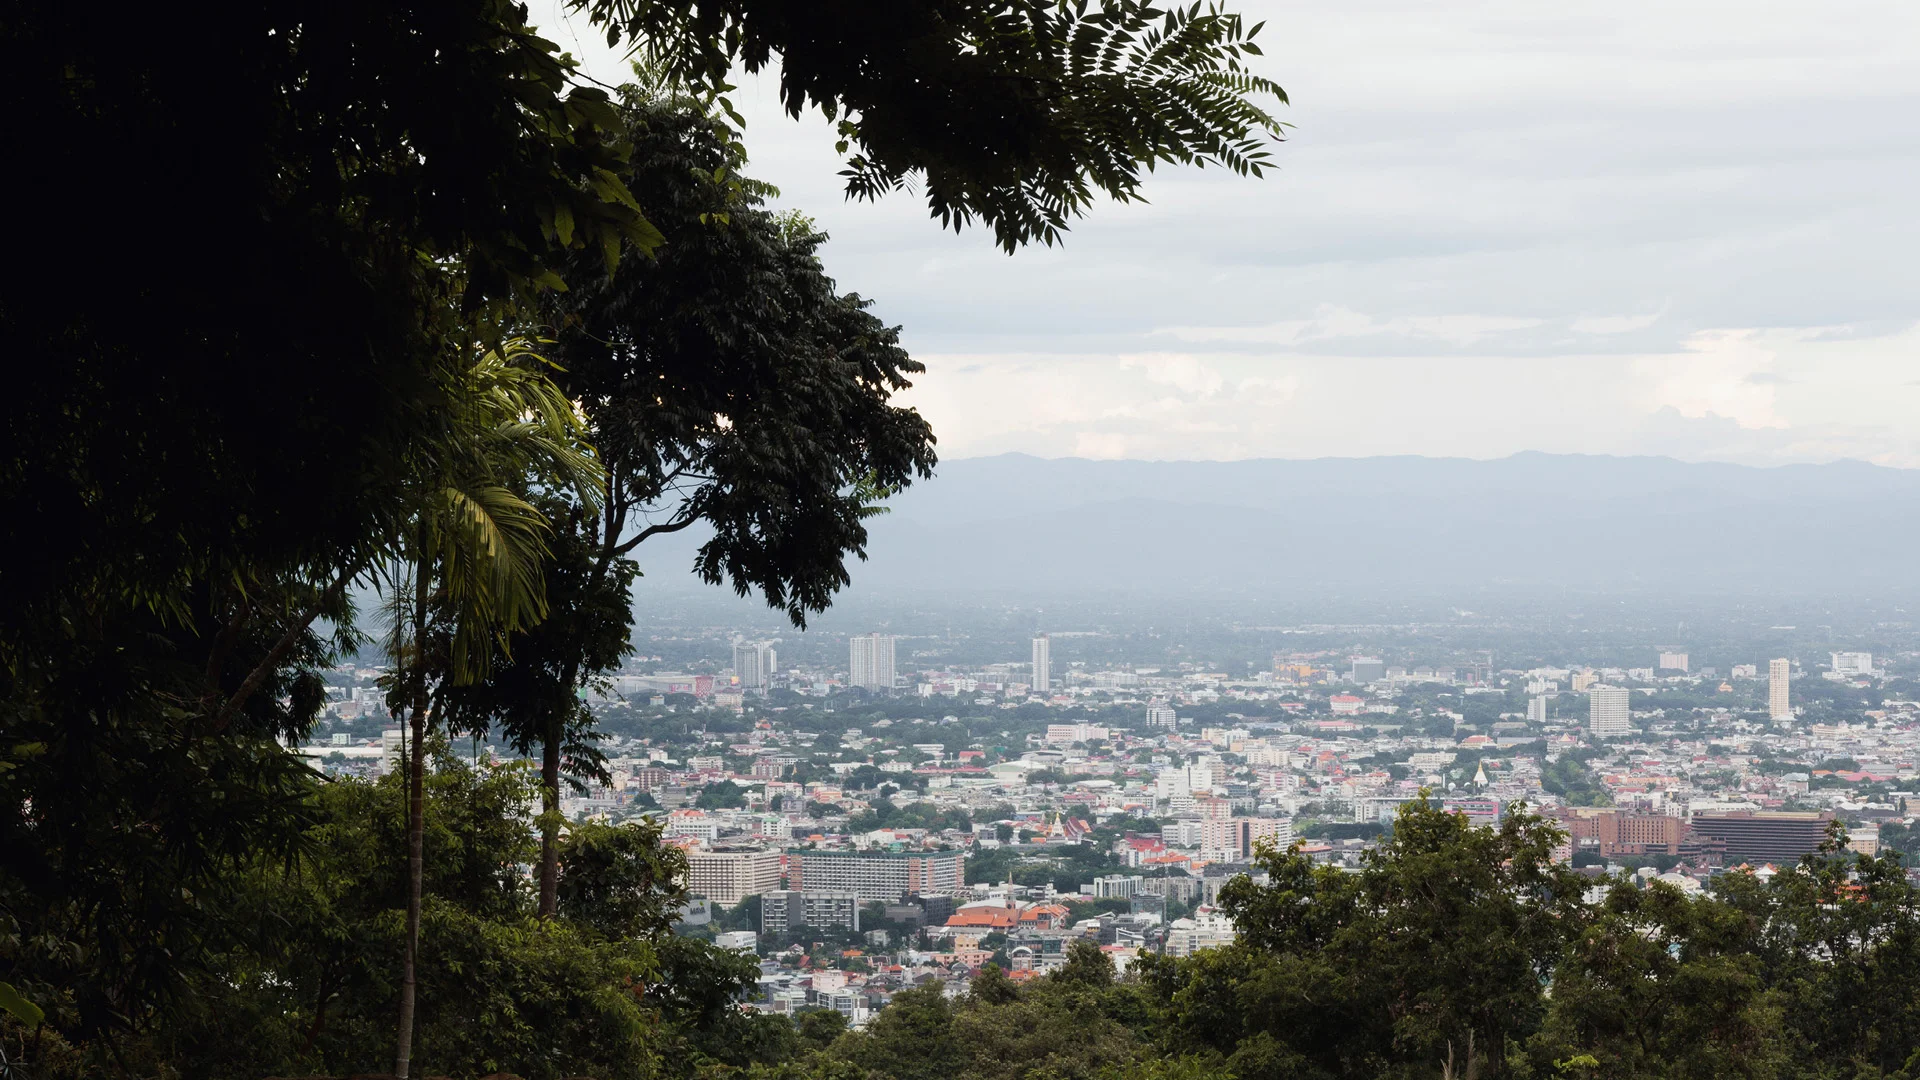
[416, 826]
[550, 820]
[550, 794]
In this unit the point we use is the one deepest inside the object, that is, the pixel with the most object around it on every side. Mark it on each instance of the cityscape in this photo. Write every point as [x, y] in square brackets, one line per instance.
[961, 540]
[865, 826]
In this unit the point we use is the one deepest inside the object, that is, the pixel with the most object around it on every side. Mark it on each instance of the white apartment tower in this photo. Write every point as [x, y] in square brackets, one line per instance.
[1161, 715]
[1778, 706]
[1042, 665]
[1608, 714]
[870, 661]
[753, 663]
[1537, 709]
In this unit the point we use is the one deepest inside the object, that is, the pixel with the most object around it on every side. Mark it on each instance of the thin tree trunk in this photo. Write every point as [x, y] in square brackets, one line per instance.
[416, 825]
[550, 819]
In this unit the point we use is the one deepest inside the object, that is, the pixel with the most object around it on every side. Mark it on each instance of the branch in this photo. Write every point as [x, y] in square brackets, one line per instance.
[280, 650]
[654, 530]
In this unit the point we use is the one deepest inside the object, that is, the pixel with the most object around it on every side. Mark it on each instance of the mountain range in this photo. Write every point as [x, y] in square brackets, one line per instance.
[1385, 525]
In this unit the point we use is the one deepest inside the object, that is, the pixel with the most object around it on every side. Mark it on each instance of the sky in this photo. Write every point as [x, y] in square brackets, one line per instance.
[1681, 228]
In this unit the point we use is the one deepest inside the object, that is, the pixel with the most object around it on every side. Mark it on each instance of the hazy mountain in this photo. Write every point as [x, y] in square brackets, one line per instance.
[1394, 524]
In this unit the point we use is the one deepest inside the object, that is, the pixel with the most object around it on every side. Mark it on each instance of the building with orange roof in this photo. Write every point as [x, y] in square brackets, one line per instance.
[987, 917]
[1044, 916]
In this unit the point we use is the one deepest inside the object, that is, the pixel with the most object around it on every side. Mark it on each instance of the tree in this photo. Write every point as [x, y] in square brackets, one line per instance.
[1433, 956]
[471, 568]
[724, 795]
[1086, 965]
[620, 880]
[216, 430]
[1043, 107]
[535, 695]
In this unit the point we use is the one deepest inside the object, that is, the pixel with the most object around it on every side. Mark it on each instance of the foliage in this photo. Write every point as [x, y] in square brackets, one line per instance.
[1569, 777]
[884, 814]
[1053, 104]
[220, 427]
[723, 795]
[620, 881]
[728, 383]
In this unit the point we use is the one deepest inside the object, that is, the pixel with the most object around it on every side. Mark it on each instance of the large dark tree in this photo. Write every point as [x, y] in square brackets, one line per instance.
[255, 235]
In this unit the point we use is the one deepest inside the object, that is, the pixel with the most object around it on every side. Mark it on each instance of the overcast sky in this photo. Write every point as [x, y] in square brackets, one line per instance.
[1680, 228]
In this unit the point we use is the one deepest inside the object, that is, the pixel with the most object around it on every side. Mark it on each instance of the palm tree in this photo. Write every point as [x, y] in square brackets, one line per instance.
[468, 569]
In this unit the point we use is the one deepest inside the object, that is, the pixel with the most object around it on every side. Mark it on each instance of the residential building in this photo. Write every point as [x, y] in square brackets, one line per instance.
[1366, 669]
[1537, 709]
[789, 909]
[1240, 835]
[1778, 678]
[876, 875]
[1608, 712]
[1673, 661]
[754, 663]
[727, 876]
[870, 661]
[1161, 715]
[1042, 681]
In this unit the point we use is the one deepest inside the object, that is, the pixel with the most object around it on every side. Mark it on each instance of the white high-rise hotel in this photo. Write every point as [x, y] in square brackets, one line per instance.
[1042, 665]
[1609, 713]
[870, 661]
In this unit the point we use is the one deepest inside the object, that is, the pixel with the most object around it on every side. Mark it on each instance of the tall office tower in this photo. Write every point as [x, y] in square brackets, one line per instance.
[1777, 677]
[753, 662]
[1161, 715]
[870, 661]
[1042, 665]
[1537, 710]
[1607, 711]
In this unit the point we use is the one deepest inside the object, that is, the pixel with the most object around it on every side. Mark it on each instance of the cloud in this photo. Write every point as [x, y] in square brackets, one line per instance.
[1332, 323]
[1613, 324]
[1495, 227]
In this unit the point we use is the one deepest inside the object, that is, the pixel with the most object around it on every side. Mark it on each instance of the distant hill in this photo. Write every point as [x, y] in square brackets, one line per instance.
[1395, 524]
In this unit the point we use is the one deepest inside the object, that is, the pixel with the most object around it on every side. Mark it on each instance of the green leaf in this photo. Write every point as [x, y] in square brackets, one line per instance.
[23, 1010]
[563, 223]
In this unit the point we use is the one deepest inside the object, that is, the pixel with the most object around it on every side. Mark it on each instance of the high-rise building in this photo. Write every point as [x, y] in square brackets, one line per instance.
[1673, 661]
[727, 877]
[876, 875]
[1042, 665]
[1161, 715]
[754, 663]
[1366, 669]
[870, 661]
[1778, 678]
[1537, 709]
[1608, 714]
